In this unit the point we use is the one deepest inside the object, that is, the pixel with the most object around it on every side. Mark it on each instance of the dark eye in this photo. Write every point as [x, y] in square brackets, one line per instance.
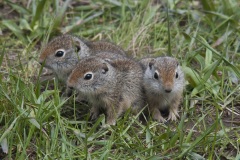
[59, 53]
[78, 48]
[156, 75]
[176, 75]
[88, 76]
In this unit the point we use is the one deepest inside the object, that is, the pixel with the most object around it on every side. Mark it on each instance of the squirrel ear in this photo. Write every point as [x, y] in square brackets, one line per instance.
[77, 45]
[104, 68]
[151, 63]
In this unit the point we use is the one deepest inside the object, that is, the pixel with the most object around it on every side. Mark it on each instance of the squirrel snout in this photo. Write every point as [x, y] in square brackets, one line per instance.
[41, 61]
[70, 87]
[168, 88]
[70, 84]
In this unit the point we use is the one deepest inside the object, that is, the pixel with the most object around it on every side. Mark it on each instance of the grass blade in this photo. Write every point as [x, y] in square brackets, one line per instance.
[233, 67]
[199, 139]
[38, 12]
[12, 26]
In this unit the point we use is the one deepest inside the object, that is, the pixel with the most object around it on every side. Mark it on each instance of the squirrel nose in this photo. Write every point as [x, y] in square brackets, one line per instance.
[70, 87]
[40, 62]
[168, 90]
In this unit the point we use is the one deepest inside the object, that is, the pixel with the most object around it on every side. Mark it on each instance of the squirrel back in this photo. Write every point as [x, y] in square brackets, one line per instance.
[103, 46]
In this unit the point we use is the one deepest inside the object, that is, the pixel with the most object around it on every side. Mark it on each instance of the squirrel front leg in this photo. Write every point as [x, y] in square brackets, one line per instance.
[173, 110]
[94, 112]
[156, 115]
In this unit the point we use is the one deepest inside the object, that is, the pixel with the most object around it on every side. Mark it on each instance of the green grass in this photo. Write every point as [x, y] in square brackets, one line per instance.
[37, 123]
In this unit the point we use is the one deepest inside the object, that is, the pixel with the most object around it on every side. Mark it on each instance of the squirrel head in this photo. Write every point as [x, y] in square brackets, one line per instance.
[164, 75]
[63, 53]
[92, 75]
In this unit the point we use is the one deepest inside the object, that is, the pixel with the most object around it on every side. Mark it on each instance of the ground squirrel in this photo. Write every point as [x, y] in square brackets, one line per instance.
[163, 84]
[63, 53]
[114, 85]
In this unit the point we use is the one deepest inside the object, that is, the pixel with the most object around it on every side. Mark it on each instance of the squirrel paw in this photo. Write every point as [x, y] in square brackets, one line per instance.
[173, 115]
[159, 118]
[111, 122]
[94, 113]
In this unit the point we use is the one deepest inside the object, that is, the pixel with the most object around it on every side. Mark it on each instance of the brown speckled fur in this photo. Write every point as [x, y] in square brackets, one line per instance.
[116, 85]
[74, 48]
[105, 46]
[164, 92]
[62, 66]
[64, 41]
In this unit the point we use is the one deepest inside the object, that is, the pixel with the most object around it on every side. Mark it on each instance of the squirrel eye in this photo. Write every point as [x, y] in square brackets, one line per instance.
[156, 75]
[78, 48]
[88, 76]
[59, 53]
[176, 75]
